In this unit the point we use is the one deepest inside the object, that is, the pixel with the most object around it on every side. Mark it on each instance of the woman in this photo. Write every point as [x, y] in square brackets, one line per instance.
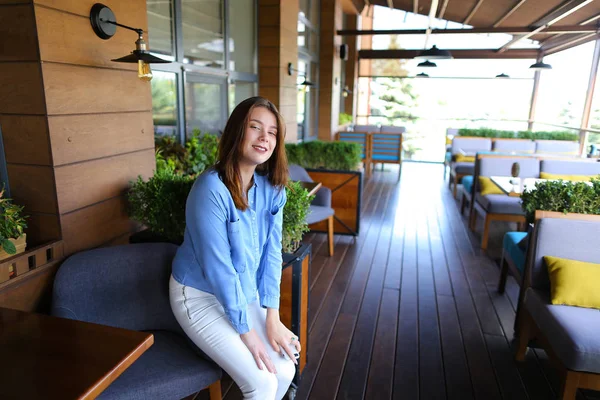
[225, 284]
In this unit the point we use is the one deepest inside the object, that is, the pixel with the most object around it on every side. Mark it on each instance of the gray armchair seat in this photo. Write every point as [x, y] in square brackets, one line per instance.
[128, 287]
[499, 204]
[320, 207]
[569, 334]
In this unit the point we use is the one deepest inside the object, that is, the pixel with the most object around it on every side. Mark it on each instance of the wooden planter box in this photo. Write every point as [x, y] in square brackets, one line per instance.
[19, 243]
[293, 307]
[346, 199]
[539, 214]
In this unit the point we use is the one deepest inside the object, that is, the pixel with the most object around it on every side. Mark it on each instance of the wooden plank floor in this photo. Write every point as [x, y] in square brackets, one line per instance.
[409, 309]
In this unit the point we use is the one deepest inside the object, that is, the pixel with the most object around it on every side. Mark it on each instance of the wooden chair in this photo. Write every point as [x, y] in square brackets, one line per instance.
[360, 137]
[385, 148]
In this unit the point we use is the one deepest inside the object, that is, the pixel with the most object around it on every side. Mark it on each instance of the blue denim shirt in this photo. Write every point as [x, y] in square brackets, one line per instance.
[230, 253]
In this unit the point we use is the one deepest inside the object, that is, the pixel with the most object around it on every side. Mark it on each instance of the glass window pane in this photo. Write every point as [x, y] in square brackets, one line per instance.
[304, 6]
[560, 103]
[302, 34]
[160, 23]
[204, 109]
[164, 103]
[203, 42]
[314, 13]
[240, 91]
[242, 43]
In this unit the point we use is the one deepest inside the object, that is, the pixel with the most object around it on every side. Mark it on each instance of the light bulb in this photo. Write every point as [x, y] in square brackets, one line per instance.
[144, 71]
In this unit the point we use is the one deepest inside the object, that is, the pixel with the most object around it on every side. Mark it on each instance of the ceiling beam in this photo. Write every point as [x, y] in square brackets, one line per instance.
[509, 13]
[432, 11]
[557, 46]
[560, 12]
[565, 29]
[443, 9]
[472, 13]
[458, 54]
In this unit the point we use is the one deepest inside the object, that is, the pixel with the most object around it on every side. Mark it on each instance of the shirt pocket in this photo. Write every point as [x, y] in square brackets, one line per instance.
[237, 246]
[271, 216]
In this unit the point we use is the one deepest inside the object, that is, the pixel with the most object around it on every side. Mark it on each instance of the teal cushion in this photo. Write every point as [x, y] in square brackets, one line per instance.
[448, 156]
[511, 247]
[384, 157]
[467, 182]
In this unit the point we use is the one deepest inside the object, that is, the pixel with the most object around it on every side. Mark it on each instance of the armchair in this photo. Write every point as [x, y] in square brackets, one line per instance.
[320, 208]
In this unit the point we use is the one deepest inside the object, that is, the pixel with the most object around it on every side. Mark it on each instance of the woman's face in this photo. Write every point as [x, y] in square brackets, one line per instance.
[260, 137]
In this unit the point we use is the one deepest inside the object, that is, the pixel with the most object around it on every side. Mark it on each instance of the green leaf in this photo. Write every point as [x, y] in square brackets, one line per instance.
[8, 246]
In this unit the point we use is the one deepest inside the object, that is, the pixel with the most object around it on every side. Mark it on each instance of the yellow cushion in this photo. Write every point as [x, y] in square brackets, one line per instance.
[449, 140]
[573, 283]
[574, 178]
[461, 158]
[486, 186]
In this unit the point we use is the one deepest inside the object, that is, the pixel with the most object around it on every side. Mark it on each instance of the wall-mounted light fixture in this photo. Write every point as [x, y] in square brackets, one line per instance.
[346, 91]
[104, 23]
[305, 82]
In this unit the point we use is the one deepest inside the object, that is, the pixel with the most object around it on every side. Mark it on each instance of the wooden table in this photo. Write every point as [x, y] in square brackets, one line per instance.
[312, 187]
[506, 185]
[44, 357]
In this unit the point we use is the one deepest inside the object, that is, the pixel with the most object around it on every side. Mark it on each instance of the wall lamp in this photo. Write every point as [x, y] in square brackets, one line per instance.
[290, 71]
[104, 23]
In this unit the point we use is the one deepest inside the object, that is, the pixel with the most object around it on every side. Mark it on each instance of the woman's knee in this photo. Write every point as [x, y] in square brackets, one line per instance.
[286, 372]
[262, 386]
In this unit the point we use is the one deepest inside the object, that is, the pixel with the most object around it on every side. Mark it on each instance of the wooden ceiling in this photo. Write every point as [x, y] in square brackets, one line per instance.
[527, 15]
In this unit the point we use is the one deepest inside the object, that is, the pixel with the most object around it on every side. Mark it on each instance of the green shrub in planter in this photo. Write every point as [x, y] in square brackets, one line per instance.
[562, 196]
[159, 203]
[549, 135]
[199, 153]
[345, 119]
[486, 132]
[294, 216]
[339, 156]
[12, 223]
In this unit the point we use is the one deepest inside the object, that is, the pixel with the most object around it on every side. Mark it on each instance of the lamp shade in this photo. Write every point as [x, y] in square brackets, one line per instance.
[435, 54]
[502, 75]
[141, 55]
[427, 64]
[422, 75]
[540, 65]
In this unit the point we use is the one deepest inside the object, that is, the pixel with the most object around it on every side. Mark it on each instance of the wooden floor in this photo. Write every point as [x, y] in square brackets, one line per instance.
[409, 309]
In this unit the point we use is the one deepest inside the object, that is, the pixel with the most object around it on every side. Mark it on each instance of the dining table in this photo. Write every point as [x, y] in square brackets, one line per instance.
[514, 187]
[46, 357]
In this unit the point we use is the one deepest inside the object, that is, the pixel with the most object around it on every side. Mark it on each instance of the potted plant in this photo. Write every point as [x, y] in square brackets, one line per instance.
[12, 225]
[294, 216]
[335, 165]
[562, 197]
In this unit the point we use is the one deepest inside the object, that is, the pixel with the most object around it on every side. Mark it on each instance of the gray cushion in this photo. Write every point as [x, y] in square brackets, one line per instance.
[567, 167]
[469, 144]
[556, 147]
[298, 173]
[318, 213]
[500, 204]
[123, 286]
[366, 128]
[501, 166]
[571, 331]
[516, 145]
[466, 168]
[168, 370]
[392, 129]
[564, 238]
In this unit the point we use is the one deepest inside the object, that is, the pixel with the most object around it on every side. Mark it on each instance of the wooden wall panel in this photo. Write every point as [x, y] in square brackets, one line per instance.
[92, 226]
[21, 88]
[18, 40]
[3, 2]
[26, 139]
[82, 137]
[42, 228]
[66, 38]
[82, 184]
[73, 89]
[130, 12]
[32, 292]
[32, 187]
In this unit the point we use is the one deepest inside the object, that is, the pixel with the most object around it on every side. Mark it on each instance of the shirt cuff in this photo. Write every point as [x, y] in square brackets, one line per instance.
[241, 328]
[269, 302]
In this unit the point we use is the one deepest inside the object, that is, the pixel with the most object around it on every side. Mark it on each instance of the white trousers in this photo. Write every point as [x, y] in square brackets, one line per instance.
[203, 319]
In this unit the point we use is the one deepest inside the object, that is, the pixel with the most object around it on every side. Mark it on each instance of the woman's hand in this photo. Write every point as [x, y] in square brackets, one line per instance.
[280, 336]
[258, 350]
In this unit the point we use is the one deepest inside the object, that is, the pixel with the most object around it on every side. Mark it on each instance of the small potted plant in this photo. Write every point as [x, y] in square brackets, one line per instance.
[12, 225]
[294, 216]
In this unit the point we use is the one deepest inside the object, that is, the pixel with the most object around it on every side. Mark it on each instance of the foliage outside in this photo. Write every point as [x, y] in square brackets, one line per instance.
[12, 223]
[294, 216]
[345, 118]
[337, 156]
[540, 135]
[562, 196]
[199, 153]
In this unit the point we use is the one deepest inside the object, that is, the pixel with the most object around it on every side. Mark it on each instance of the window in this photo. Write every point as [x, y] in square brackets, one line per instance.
[211, 43]
[164, 103]
[203, 38]
[308, 69]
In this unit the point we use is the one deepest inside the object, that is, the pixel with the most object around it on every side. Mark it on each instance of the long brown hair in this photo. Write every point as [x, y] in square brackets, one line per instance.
[230, 151]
